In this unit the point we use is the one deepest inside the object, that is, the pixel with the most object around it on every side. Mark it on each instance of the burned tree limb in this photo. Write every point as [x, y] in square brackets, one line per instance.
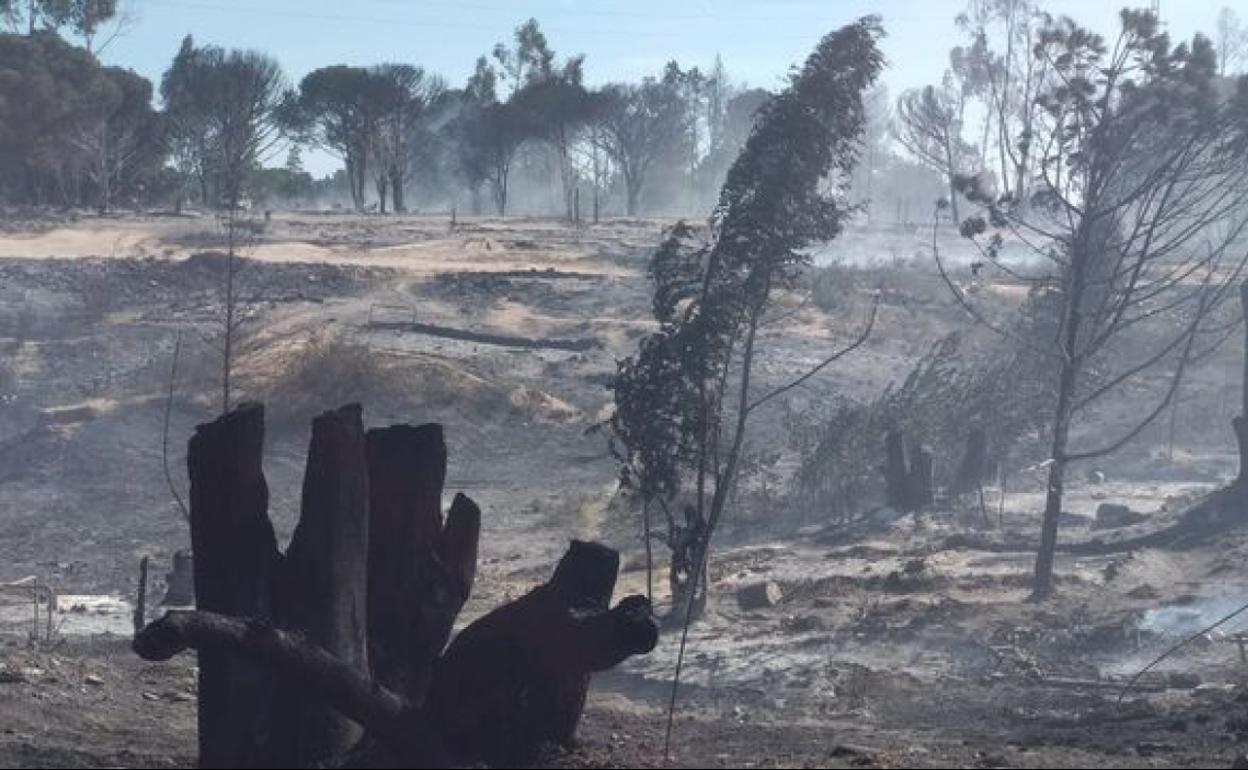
[517, 678]
[355, 695]
[597, 641]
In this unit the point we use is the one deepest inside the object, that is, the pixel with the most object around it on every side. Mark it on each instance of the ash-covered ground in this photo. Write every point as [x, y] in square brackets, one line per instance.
[899, 642]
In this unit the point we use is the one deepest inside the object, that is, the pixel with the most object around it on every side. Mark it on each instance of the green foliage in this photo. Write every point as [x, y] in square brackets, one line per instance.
[83, 17]
[225, 111]
[72, 132]
[710, 292]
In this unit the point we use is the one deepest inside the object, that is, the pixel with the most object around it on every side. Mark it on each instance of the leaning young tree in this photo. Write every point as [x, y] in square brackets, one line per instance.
[684, 401]
[1139, 210]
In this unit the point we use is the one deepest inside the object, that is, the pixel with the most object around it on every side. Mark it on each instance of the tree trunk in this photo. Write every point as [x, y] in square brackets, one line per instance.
[420, 572]
[356, 203]
[919, 481]
[953, 191]
[1043, 585]
[907, 474]
[896, 472]
[974, 463]
[396, 192]
[1071, 321]
[227, 354]
[322, 588]
[500, 194]
[645, 537]
[236, 559]
[1240, 423]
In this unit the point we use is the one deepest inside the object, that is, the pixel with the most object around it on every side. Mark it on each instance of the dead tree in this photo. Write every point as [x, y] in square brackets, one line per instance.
[332, 652]
[1138, 213]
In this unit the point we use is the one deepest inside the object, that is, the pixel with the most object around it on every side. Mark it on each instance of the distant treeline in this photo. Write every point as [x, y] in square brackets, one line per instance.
[524, 133]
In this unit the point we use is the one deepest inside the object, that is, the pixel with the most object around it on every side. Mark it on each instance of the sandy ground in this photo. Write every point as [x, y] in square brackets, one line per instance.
[889, 649]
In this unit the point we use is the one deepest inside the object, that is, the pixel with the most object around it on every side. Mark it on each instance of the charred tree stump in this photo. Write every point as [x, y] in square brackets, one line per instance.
[333, 653]
[973, 466]
[896, 472]
[757, 596]
[907, 475]
[236, 559]
[919, 482]
[180, 581]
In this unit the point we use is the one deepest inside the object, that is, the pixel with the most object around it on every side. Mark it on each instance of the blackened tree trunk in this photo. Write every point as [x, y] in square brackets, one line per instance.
[919, 481]
[236, 559]
[1240, 423]
[420, 572]
[896, 472]
[381, 183]
[973, 467]
[397, 194]
[907, 474]
[1072, 320]
[322, 589]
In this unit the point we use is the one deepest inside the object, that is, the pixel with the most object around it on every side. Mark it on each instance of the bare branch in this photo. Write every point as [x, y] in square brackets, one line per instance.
[851, 347]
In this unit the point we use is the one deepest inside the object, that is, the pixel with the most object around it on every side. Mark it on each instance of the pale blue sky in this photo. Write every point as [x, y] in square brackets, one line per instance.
[621, 39]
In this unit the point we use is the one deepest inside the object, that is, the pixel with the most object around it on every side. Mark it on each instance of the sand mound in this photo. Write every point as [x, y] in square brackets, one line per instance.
[298, 379]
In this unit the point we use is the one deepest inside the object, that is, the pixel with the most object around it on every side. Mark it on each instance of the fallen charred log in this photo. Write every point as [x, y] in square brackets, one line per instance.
[574, 344]
[332, 653]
